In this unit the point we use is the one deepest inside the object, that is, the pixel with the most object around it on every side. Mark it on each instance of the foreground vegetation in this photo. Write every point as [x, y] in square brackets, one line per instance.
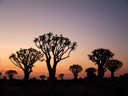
[81, 87]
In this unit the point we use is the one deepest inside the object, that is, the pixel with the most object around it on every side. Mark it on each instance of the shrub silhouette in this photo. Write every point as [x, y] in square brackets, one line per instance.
[61, 76]
[56, 47]
[42, 77]
[113, 65]
[100, 57]
[75, 69]
[25, 59]
[90, 72]
[11, 73]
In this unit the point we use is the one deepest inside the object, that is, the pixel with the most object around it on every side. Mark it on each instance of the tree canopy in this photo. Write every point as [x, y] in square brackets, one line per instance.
[25, 58]
[101, 56]
[58, 45]
[90, 70]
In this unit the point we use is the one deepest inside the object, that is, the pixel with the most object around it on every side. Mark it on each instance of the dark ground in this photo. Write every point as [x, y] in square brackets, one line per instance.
[81, 87]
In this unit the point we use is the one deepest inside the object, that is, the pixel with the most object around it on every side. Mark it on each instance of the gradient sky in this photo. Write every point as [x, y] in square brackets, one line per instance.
[91, 23]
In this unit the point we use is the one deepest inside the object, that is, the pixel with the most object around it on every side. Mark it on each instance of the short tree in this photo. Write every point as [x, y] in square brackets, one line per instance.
[42, 77]
[90, 72]
[113, 65]
[75, 69]
[25, 59]
[100, 57]
[11, 73]
[55, 48]
[0, 74]
[61, 76]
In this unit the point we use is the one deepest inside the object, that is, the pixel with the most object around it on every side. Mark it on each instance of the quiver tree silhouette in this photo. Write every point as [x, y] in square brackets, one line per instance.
[25, 59]
[11, 73]
[75, 69]
[61, 76]
[90, 72]
[113, 65]
[42, 77]
[55, 48]
[100, 57]
[0, 73]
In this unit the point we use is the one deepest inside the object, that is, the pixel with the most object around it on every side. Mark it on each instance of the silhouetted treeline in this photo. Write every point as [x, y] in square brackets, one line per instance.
[58, 48]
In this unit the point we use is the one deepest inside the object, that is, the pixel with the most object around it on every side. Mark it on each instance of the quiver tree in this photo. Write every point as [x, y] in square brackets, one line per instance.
[61, 76]
[11, 73]
[90, 72]
[42, 77]
[0, 73]
[113, 65]
[100, 57]
[25, 59]
[75, 69]
[55, 48]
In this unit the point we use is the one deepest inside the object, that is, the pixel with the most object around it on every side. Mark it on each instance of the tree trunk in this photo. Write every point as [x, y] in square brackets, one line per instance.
[10, 77]
[26, 75]
[75, 76]
[52, 71]
[100, 74]
[112, 74]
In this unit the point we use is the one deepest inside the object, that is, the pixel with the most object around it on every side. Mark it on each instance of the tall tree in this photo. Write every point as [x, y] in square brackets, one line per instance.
[75, 69]
[100, 57]
[113, 65]
[55, 48]
[25, 59]
[11, 73]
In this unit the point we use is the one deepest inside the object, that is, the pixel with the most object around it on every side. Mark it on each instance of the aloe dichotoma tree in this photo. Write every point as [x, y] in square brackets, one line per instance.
[75, 69]
[113, 65]
[100, 57]
[54, 48]
[25, 59]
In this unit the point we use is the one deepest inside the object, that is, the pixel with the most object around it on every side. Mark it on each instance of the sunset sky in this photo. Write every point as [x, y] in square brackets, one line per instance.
[91, 23]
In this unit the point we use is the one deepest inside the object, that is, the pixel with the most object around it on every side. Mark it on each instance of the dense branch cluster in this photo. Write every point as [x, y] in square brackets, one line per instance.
[75, 69]
[25, 58]
[58, 45]
[113, 65]
[101, 56]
